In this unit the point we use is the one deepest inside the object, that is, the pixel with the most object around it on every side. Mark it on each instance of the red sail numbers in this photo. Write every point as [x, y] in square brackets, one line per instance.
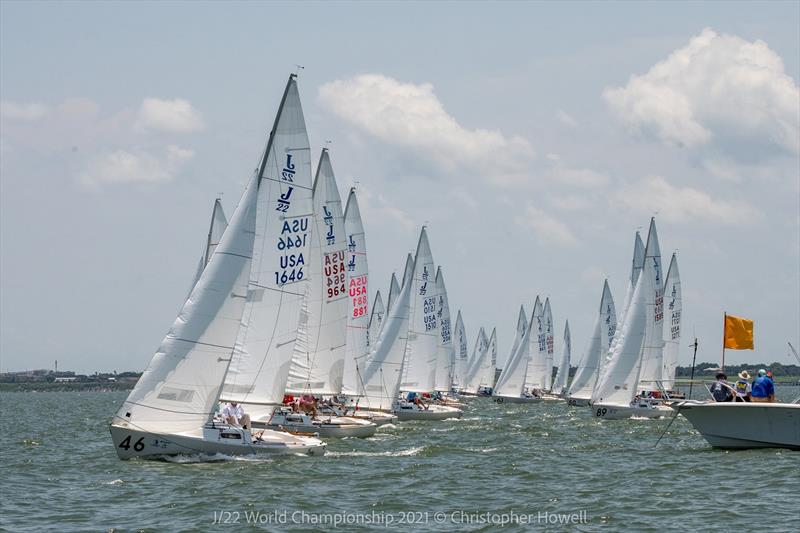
[358, 295]
[334, 272]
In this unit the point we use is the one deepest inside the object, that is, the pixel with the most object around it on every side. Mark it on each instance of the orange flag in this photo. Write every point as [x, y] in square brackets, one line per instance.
[738, 333]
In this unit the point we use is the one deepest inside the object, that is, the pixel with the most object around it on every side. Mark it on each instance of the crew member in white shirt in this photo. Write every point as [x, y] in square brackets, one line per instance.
[235, 415]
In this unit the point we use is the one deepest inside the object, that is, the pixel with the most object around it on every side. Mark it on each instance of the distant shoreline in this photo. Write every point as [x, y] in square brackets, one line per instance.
[80, 386]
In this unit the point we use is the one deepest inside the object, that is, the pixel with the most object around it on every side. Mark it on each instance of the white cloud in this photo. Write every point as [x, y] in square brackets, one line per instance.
[136, 166]
[565, 174]
[570, 202]
[411, 116]
[718, 89]
[548, 229]
[683, 204]
[169, 115]
[22, 111]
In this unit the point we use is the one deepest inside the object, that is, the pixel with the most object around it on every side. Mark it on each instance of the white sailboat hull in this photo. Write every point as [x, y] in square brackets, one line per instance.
[130, 443]
[433, 412]
[517, 399]
[329, 427]
[619, 412]
[376, 417]
[744, 424]
[576, 401]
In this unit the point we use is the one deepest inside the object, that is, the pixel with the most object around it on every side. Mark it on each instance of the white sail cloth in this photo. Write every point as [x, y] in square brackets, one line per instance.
[260, 366]
[461, 354]
[215, 231]
[562, 375]
[445, 355]
[318, 360]
[605, 327]
[512, 379]
[653, 354]
[178, 391]
[672, 323]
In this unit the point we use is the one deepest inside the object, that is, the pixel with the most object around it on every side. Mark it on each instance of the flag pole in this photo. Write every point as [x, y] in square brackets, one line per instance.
[724, 324]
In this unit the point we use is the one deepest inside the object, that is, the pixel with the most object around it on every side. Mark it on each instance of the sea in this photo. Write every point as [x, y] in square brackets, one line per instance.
[542, 467]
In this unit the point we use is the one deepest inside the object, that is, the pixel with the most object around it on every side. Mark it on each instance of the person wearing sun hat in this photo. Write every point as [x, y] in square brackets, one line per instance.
[742, 387]
[763, 388]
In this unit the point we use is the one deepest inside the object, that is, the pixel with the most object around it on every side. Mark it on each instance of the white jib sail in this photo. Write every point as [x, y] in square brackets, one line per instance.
[562, 375]
[419, 370]
[260, 366]
[375, 321]
[358, 312]
[445, 357]
[319, 353]
[549, 343]
[215, 231]
[512, 379]
[178, 391]
[672, 324]
[653, 355]
[381, 379]
[617, 382]
[478, 363]
[394, 290]
[605, 327]
[537, 367]
[490, 364]
[460, 346]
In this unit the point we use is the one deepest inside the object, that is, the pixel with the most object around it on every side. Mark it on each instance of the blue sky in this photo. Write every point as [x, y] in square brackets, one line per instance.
[533, 138]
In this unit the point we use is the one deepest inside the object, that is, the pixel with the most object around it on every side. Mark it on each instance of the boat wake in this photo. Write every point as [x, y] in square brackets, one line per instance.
[399, 453]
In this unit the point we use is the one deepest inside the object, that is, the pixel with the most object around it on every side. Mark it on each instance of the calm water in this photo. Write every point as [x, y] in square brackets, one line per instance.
[60, 472]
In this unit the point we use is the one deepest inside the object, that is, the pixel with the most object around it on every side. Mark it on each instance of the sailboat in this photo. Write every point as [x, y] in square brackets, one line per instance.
[215, 231]
[536, 379]
[562, 375]
[318, 359]
[171, 410]
[653, 353]
[549, 347]
[672, 325]
[616, 393]
[588, 370]
[445, 354]
[422, 341]
[513, 385]
[460, 346]
[375, 320]
[477, 367]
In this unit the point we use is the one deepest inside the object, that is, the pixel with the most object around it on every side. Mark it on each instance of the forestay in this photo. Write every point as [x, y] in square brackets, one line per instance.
[178, 391]
[260, 366]
[319, 353]
[359, 317]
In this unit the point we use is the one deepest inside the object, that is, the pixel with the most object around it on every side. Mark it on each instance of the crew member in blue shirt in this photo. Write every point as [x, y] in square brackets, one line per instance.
[763, 388]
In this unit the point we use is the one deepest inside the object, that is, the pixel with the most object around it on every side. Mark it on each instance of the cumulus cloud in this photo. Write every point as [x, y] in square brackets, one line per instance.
[683, 204]
[718, 90]
[137, 166]
[176, 116]
[558, 170]
[22, 110]
[548, 229]
[411, 116]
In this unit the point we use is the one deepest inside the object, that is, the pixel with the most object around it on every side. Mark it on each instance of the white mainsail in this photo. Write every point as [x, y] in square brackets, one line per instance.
[512, 379]
[619, 377]
[562, 375]
[460, 346]
[384, 367]
[653, 354]
[549, 343]
[215, 231]
[490, 366]
[178, 391]
[375, 321]
[419, 370]
[537, 367]
[672, 324]
[446, 357]
[605, 327]
[258, 372]
[317, 365]
[359, 318]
